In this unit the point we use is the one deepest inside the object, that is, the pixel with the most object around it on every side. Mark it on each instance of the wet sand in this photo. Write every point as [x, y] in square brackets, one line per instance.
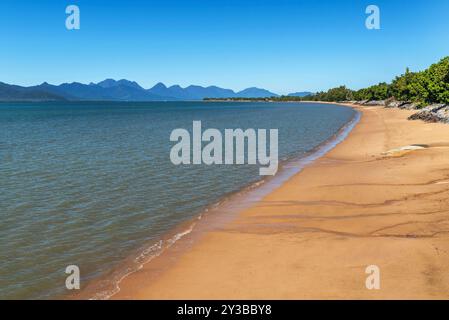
[367, 202]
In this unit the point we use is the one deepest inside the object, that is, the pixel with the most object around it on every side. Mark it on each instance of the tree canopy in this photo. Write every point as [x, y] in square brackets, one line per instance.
[424, 87]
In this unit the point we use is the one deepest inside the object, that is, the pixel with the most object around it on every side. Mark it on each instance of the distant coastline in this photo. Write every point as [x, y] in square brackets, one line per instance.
[122, 90]
[421, 88]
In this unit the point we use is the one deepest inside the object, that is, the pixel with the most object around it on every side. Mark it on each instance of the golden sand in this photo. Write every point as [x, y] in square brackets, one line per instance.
[373, 200]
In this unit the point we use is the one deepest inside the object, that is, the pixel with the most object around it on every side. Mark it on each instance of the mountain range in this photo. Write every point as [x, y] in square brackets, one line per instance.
[300, 94]
[122, 90]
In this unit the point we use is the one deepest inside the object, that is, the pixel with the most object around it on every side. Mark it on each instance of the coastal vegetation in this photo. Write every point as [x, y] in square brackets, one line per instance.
[422, 88]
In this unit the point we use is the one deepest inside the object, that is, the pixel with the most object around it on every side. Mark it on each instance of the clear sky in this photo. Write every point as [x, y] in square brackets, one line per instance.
[280, 45]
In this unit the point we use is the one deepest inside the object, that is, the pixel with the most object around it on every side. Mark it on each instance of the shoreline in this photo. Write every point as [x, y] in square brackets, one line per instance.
[369, 201]
[213, 216]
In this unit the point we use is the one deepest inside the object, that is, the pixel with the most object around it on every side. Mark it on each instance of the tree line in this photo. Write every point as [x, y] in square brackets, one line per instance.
[423, 87]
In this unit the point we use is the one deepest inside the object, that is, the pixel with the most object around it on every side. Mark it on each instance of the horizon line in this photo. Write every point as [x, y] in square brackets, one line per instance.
[160, 82]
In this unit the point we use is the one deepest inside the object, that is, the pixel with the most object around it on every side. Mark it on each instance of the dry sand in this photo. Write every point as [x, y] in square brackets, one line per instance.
[370, 201]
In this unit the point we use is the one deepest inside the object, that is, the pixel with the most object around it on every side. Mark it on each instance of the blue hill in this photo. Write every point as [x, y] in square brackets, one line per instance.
[300, 94]
[122, 90]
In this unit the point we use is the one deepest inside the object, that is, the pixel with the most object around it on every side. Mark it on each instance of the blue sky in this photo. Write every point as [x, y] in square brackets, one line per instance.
[284, 46]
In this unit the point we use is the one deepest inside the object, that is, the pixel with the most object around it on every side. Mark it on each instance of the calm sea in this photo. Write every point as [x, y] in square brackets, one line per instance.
[87, 183]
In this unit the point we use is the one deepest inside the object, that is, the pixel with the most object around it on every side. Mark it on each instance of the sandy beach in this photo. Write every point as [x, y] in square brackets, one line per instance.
[369, 201]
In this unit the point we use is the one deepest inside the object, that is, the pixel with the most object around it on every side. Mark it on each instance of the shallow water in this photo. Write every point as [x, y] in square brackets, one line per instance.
[88, 183]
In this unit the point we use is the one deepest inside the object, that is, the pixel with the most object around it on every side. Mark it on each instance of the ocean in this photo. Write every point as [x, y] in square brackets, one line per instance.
[90, 183]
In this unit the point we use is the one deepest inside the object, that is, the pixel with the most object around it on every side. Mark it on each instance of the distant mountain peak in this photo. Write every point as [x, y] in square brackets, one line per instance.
[159, 85]
[300, 94]
[107, 83]
[110, 83]
[129, 83]
[254, 92]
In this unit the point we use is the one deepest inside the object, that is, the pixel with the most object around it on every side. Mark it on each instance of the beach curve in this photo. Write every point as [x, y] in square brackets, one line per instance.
[314, 236]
